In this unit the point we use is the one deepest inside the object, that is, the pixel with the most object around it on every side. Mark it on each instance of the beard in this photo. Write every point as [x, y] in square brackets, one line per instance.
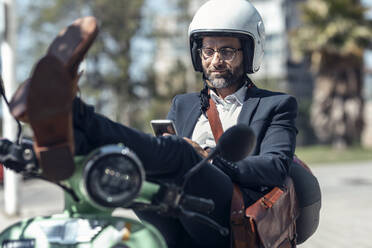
[226, 79]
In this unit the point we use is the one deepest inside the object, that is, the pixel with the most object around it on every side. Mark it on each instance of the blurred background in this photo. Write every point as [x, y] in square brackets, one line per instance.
[317, 50]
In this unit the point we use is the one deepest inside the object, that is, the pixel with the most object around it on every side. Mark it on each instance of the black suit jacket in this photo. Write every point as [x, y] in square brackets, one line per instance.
[271, 115]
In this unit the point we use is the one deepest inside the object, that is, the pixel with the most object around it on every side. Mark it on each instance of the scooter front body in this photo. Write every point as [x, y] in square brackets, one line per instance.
[63, 230]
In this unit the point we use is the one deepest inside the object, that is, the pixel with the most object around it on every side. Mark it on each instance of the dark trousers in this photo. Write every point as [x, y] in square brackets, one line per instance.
[166, 158]
[309, 201]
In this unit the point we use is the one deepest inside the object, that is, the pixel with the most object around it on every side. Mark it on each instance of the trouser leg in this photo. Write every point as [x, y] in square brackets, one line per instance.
[161, 156]
[210, 183]
[171, 228]
[308, 221]
[309, 200]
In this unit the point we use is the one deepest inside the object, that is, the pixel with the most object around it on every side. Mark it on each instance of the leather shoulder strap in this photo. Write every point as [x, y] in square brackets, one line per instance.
[237, 203]
[239, 227]
[214, 120]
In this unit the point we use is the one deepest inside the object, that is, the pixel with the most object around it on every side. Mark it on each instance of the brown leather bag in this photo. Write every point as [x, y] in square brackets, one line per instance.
[268, 223]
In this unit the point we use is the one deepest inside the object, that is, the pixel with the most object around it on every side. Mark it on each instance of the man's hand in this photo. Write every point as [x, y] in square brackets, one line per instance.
[197, 147]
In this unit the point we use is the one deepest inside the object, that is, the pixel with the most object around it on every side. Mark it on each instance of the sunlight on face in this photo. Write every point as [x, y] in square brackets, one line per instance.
[222, 73]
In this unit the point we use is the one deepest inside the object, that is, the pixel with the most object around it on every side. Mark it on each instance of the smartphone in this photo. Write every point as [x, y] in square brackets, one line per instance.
[159, 127]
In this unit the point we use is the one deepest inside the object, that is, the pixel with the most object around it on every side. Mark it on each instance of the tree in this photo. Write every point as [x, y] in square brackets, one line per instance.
[107, 68]
[333, 36]
[173, 72]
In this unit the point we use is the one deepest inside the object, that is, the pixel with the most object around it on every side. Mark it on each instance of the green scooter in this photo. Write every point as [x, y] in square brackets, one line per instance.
[111, 177]
[108, 178]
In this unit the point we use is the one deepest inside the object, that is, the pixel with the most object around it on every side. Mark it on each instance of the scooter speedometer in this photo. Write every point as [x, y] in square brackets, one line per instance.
[113, 176]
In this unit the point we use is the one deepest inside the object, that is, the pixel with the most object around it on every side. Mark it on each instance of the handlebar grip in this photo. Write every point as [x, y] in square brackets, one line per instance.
[16, 157]
[197, 204]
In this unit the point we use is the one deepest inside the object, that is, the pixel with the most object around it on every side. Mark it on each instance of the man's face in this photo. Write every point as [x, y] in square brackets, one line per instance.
[221, 72]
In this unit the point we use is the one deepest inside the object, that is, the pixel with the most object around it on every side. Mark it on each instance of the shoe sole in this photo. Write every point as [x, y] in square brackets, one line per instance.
[73, 42]
[49, 111]
[70, 47]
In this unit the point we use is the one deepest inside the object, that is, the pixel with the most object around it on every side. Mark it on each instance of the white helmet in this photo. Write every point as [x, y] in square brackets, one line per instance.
[236, 18]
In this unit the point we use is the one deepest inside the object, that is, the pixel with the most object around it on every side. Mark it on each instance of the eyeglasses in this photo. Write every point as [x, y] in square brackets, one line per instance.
[226, 53]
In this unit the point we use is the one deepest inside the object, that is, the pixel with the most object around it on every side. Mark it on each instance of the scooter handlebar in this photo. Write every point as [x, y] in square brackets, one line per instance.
[197, 204]
[206, 220]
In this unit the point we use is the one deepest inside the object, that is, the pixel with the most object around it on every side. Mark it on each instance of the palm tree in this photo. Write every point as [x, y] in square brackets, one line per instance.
[333, 36]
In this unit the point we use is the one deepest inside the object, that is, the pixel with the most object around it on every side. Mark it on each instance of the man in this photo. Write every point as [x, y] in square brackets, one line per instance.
[226, 43]
[225, 50]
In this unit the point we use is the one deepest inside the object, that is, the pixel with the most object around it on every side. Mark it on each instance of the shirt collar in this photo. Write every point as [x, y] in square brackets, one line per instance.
[237, 96]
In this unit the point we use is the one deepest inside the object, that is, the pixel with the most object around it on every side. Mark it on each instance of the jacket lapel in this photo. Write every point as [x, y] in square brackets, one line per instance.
[191, 119]
[249, 106]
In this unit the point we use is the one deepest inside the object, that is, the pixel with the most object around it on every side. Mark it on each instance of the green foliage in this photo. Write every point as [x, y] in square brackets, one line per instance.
[272, 84]
[326, 154]
[305, 134]
[108, 61]
[332, 26]
[333, 35]
[106, 81]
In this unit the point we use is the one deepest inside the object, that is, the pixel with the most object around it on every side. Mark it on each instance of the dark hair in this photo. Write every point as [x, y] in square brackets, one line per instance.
[204, 98]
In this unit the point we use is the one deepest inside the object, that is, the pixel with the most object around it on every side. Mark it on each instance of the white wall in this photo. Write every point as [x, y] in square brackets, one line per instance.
[275, 56]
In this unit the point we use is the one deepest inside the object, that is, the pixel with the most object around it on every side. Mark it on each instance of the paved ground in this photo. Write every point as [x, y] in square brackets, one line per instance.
[346, 216]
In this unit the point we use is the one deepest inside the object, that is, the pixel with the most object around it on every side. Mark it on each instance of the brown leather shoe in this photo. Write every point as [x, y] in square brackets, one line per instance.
[70, 47]
[49, 111]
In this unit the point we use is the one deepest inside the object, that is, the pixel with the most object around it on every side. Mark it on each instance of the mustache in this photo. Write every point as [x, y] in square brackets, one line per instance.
[226, 73]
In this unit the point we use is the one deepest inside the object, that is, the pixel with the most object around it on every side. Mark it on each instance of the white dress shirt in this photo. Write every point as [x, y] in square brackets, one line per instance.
[228, 110]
